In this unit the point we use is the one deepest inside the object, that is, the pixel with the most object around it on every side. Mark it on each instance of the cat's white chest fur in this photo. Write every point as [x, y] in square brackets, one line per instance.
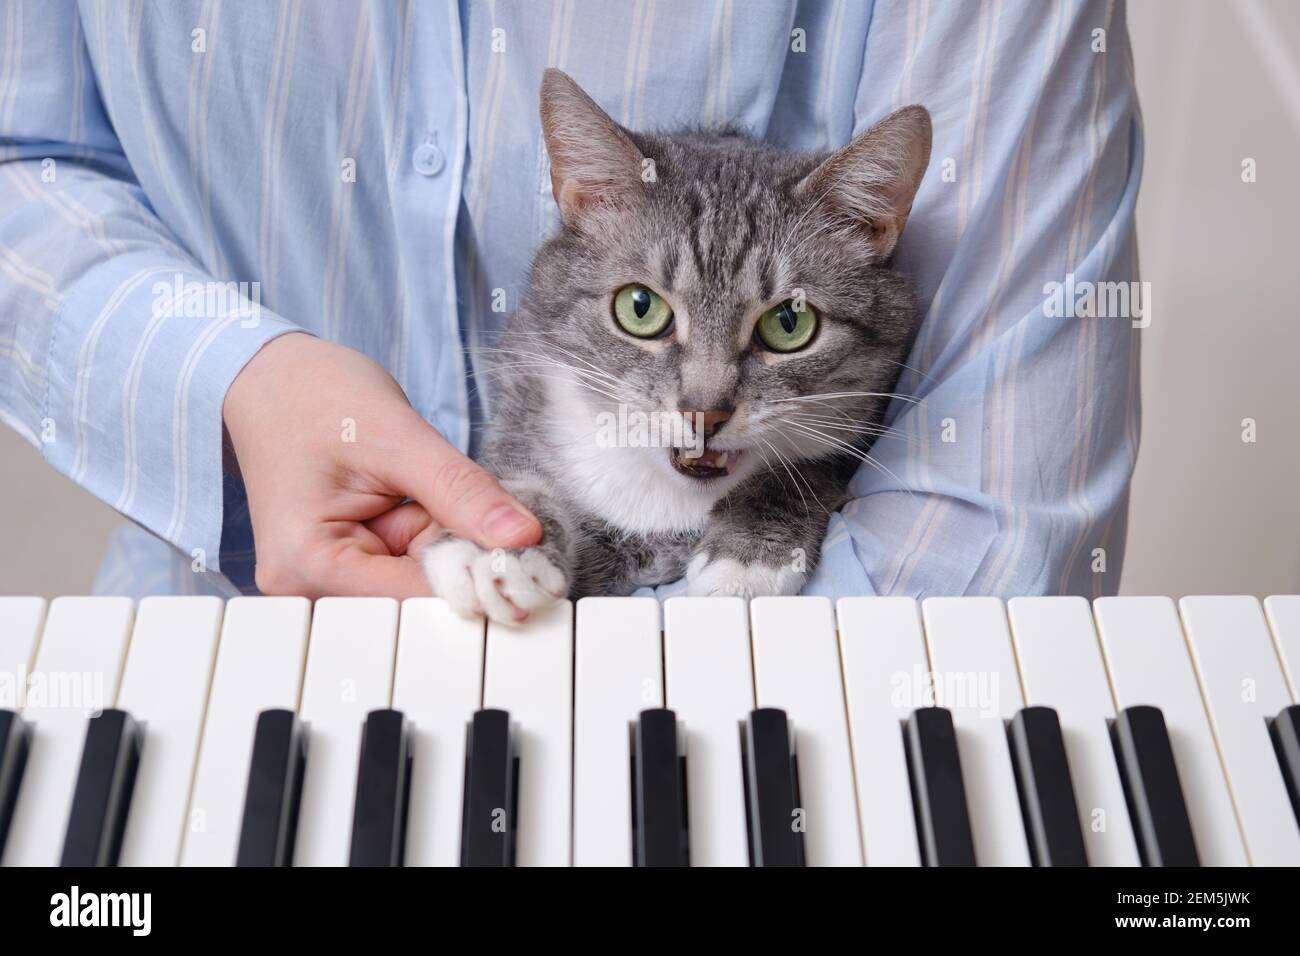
[632, 488]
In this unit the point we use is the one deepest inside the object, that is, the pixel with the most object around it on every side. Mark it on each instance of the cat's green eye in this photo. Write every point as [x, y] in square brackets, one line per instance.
[787, 327]
[641, 312]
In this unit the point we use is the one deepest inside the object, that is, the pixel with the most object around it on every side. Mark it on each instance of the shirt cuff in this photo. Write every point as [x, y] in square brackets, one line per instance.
[140, 358]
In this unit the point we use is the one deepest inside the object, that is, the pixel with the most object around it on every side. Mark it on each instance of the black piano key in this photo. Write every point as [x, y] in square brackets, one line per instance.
[1285, 731]
[1046, 791]
[659, 836]
[938, 794]
[102, 796]
[383, 791]
[487, 836]
[15, 737]
[771, 790]
[274, 792]
[1151, 788]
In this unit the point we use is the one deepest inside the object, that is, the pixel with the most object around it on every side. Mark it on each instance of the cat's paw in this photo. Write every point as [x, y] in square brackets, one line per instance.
[506, 586]
[722, 577]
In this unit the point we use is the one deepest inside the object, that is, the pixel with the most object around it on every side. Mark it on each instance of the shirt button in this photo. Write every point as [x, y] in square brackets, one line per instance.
[427, 159]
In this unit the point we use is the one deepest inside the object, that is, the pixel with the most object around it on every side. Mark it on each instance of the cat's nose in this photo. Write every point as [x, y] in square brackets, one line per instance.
[712, 420]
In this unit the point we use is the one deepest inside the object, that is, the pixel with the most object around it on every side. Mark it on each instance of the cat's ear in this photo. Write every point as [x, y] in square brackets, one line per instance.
[871, 182]
[594, 162]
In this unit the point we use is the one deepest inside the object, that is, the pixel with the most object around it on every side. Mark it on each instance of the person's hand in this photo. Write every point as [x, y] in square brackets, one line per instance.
[329, 450]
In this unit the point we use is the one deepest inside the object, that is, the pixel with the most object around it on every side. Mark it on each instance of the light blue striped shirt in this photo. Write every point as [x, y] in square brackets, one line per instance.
[377, 168]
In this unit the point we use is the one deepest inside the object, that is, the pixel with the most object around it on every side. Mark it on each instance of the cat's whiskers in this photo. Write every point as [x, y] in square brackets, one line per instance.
[583, 376]
[829, 395]
[823, 407]
[580, 382]
[876, 432]
[548, 335]
[788, 465]
[910, 368]
[537, 358]
[843, 420]
[594, 370]
[848, 449]
[767, 462]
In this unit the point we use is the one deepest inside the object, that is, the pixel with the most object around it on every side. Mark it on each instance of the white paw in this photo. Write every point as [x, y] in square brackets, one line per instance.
[504, 585]
[728, 577]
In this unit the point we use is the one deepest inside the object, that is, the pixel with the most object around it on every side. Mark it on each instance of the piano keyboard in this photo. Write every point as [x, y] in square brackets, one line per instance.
[881, 731]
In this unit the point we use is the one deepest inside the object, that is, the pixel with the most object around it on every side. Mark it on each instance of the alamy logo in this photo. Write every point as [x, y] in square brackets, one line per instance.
[975, 691]
[663, 429]
[74, 908]
[1082, 299]
[74, 690]
[208, 300]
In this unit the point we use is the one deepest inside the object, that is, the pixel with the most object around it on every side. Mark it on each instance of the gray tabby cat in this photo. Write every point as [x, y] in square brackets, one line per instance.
[709, 274]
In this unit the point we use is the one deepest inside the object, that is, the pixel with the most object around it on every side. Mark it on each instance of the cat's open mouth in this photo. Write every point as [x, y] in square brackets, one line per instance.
[708, 464]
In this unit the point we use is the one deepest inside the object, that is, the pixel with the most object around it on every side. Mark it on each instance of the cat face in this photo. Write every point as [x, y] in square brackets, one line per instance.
[714, 275]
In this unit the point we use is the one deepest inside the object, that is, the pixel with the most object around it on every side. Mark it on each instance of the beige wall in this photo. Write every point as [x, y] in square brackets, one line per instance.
[52, 534]
[1220, 82]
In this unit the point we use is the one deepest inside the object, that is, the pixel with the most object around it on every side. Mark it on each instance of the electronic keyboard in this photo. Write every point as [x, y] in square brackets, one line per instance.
[619, 731]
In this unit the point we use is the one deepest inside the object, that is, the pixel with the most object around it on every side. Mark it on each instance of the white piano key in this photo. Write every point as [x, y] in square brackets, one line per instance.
[78, 665]
[1243, 687]
[349, 673]
[529, 672]
[1283, 612]
[1148, 663]
[259, 666]
[438, 686]
[710, 686]
[165, 688]
[970, 650]
[618, 672]
[797, 668]
[1061, 667]
[885, 670]
[20, 631]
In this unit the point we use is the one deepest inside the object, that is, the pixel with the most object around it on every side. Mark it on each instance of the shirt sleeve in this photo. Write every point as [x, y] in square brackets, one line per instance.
[1007, 465]
[116, 346]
